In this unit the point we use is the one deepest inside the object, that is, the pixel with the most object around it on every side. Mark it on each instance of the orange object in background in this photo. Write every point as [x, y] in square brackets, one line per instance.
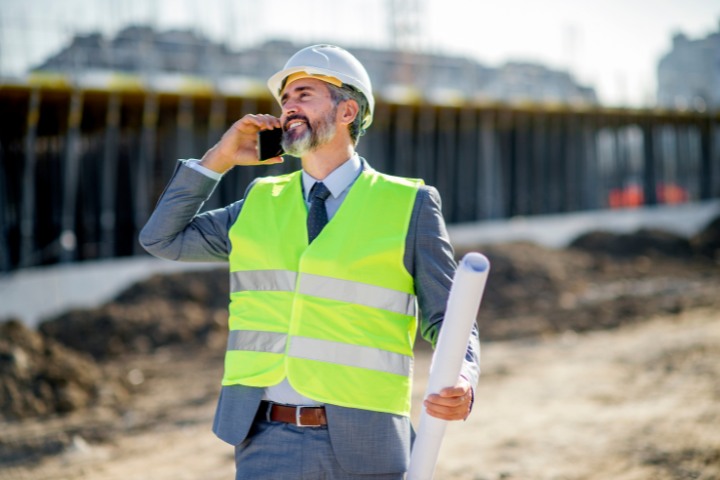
[671, 194]
[633, 195]
[630, 196]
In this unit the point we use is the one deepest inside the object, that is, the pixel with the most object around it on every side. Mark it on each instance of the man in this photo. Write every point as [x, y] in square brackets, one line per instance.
[328, 266]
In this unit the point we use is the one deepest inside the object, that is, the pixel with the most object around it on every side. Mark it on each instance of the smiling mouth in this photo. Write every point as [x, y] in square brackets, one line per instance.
[294, 123]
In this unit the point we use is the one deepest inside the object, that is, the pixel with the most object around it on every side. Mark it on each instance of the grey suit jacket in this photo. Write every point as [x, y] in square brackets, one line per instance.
[364, 442]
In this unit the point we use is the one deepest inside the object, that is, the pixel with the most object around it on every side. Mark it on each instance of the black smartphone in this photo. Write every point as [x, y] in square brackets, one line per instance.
[269, 143]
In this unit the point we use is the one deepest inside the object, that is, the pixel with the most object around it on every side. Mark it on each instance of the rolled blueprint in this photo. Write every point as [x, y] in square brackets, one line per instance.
[462, 307]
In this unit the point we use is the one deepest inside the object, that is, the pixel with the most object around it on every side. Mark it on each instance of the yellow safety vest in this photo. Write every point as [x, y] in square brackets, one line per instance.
[337, 317]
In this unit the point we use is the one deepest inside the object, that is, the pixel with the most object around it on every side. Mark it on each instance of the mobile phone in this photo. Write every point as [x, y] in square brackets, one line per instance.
[269, 144]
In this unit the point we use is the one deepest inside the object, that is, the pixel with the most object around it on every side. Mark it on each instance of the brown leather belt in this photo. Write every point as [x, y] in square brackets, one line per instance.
[295, 415]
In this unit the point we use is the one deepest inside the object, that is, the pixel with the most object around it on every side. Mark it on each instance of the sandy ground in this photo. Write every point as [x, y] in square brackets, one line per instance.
[641, 402]
[638, 402]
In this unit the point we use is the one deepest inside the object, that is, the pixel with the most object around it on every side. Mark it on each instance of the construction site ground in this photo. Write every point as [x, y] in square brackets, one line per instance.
[594, 366]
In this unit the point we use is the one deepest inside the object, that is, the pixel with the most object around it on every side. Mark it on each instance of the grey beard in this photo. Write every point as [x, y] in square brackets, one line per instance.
[315, 135]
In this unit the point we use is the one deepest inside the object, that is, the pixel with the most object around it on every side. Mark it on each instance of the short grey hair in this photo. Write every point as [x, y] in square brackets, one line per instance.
[346, 92]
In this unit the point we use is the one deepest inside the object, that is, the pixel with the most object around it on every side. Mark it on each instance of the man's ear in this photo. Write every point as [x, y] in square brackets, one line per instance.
[348, 111]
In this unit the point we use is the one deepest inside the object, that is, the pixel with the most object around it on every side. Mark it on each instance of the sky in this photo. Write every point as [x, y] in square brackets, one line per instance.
[611, 45]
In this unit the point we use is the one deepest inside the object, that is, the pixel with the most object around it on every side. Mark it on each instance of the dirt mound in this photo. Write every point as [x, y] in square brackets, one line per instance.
[187, 308]
[652, 243]
[535, 291]
[643, 242]
[528, 278]
[137, 327]
[208, 288]
[38, 376]
[707, 241]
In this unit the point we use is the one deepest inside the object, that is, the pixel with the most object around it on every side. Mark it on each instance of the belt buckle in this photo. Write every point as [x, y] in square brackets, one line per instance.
[298, 412]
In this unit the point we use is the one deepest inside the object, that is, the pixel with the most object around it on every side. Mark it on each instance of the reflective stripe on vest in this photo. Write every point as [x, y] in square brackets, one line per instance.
[324, 287]
[273, 280]
[322, 350]
[257, 341]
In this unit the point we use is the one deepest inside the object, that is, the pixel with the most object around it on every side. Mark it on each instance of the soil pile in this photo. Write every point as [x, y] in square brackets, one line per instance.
[643, 242]
[602, 281]
[707, 242]
[185, 308]
[38, 376]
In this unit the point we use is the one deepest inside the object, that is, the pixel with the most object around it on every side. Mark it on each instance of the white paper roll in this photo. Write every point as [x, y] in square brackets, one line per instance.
[462, 307]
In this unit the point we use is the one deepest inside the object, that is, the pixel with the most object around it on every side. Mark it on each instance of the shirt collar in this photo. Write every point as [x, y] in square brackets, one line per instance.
[338, 180]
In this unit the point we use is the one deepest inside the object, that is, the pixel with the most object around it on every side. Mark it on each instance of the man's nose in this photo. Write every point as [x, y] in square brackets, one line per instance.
[289, 107]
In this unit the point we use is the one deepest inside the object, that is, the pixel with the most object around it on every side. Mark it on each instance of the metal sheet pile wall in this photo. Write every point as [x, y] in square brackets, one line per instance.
[80, 169]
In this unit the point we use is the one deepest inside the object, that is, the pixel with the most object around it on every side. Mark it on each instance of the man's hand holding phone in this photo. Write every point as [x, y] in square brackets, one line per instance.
[239, 144]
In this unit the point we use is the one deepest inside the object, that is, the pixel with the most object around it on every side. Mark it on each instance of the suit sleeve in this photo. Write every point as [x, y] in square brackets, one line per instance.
[431, 260]
[176, 231]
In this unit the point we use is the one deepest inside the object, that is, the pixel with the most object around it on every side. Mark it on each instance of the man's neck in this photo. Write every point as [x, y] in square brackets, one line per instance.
[323, 161]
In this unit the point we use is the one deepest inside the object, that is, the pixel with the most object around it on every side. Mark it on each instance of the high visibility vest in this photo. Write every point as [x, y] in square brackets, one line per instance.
[337, 317]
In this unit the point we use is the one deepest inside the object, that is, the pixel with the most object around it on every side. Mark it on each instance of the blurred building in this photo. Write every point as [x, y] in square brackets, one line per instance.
[689, 75]
[397, 75]
[532, 82]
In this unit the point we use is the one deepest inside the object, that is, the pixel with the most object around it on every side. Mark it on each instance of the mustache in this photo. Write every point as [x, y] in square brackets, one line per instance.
[293, 118]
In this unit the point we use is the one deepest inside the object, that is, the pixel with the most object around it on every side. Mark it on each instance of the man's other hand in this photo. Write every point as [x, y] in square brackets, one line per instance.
[451, 403]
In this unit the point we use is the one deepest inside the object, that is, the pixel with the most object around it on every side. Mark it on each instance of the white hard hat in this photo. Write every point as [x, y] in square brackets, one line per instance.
[328, 63]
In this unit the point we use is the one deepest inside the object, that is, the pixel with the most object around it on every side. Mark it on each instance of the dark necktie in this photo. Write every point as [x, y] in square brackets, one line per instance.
[317, 216]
